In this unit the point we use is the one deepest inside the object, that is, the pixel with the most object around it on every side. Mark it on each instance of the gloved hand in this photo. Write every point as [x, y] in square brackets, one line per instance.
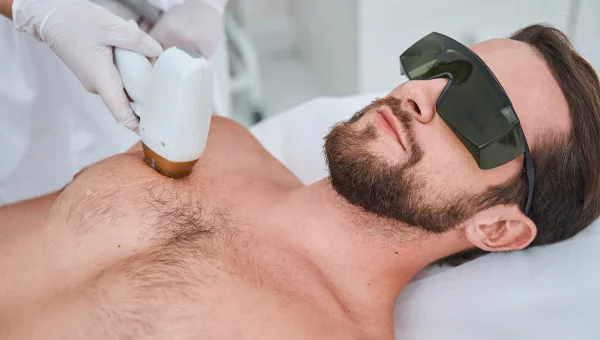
[82, 34]
[195, 24]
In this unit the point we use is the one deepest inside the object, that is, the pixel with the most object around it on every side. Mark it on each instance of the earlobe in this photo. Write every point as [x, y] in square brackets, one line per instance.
[503, 235]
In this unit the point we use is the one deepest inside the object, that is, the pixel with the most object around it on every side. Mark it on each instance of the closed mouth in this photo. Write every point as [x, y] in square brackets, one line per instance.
[392, 121]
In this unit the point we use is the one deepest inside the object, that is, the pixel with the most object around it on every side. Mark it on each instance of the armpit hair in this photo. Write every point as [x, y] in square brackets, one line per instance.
[90, 208]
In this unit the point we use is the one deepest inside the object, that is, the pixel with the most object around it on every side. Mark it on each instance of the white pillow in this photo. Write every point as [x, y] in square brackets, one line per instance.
[550, 292]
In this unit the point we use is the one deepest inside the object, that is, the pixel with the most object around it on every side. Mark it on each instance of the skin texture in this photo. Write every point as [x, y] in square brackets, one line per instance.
[6, 8]
[241, 249]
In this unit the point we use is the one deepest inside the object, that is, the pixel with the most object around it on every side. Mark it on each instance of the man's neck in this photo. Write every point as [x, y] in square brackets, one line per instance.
[367, 260]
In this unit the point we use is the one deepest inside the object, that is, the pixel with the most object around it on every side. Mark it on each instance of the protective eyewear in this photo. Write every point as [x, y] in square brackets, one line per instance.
[473, 104]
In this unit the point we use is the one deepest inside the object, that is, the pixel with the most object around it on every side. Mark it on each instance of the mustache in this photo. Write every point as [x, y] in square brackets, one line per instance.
[395, 105]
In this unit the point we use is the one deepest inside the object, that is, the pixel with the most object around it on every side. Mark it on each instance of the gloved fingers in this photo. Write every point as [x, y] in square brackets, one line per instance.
[129, 36]
[110, 88]
[121, 109]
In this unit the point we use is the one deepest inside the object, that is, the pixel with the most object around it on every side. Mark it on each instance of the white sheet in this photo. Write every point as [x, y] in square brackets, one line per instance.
[550, 292]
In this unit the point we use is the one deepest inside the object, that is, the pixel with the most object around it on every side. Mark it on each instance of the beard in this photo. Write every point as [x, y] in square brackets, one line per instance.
[391, 191]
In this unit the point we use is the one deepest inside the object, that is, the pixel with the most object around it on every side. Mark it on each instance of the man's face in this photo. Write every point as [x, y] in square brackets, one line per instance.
[397, 158]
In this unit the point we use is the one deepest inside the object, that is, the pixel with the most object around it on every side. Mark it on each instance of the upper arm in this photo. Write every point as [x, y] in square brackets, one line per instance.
[231, 145]
[22, 213]
[6, 8]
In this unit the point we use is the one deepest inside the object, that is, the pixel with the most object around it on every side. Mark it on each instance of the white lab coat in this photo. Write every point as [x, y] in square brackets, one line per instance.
[50, 126]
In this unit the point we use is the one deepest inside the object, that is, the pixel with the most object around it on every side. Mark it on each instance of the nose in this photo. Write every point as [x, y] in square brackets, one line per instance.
[419, 97]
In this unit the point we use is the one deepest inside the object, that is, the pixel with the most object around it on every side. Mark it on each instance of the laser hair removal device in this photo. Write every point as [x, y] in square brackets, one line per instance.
[175, 95]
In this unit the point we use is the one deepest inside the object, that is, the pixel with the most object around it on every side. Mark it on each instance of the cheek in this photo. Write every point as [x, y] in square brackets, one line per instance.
[448, 168]
[446, 165]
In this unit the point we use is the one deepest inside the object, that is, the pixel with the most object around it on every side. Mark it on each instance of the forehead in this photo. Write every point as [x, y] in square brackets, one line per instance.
[533, 91]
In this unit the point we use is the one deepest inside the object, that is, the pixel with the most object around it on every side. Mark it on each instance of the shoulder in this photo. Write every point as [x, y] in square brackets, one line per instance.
[232, 146]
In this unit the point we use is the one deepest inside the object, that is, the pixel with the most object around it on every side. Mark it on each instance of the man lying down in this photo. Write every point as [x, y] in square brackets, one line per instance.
[241, 249]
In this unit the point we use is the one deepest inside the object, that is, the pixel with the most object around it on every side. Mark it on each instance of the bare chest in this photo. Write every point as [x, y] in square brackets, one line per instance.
[178, 265]
[190, 288]
[175, 292]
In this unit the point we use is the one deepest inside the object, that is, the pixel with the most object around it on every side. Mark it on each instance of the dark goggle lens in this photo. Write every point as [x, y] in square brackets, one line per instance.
[474, 106]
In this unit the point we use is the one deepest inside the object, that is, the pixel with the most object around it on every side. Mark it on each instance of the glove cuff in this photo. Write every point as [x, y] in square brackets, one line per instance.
[20, 18]
[31, 15]
[25, 17]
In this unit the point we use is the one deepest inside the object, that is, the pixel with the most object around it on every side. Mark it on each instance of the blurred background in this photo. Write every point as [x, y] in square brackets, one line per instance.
[284, 52]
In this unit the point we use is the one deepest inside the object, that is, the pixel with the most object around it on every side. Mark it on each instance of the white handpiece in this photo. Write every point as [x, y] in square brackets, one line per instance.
[175, 95]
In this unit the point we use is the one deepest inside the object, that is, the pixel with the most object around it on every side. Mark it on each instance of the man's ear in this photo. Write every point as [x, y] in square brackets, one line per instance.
[501, 229]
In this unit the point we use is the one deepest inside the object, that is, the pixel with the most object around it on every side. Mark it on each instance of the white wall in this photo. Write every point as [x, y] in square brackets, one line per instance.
[267, 22]
[389, 27]
[354, 44]
[587, 32]
[326, 34]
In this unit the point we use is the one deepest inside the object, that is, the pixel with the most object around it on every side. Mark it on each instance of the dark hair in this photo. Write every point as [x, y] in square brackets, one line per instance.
[567, 196]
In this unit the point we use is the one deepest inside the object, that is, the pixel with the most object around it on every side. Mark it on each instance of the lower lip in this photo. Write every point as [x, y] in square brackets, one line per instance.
[383, 125]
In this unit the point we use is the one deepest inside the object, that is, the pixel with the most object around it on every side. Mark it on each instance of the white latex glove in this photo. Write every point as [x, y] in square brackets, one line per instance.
[82, 34]
[195, 24]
